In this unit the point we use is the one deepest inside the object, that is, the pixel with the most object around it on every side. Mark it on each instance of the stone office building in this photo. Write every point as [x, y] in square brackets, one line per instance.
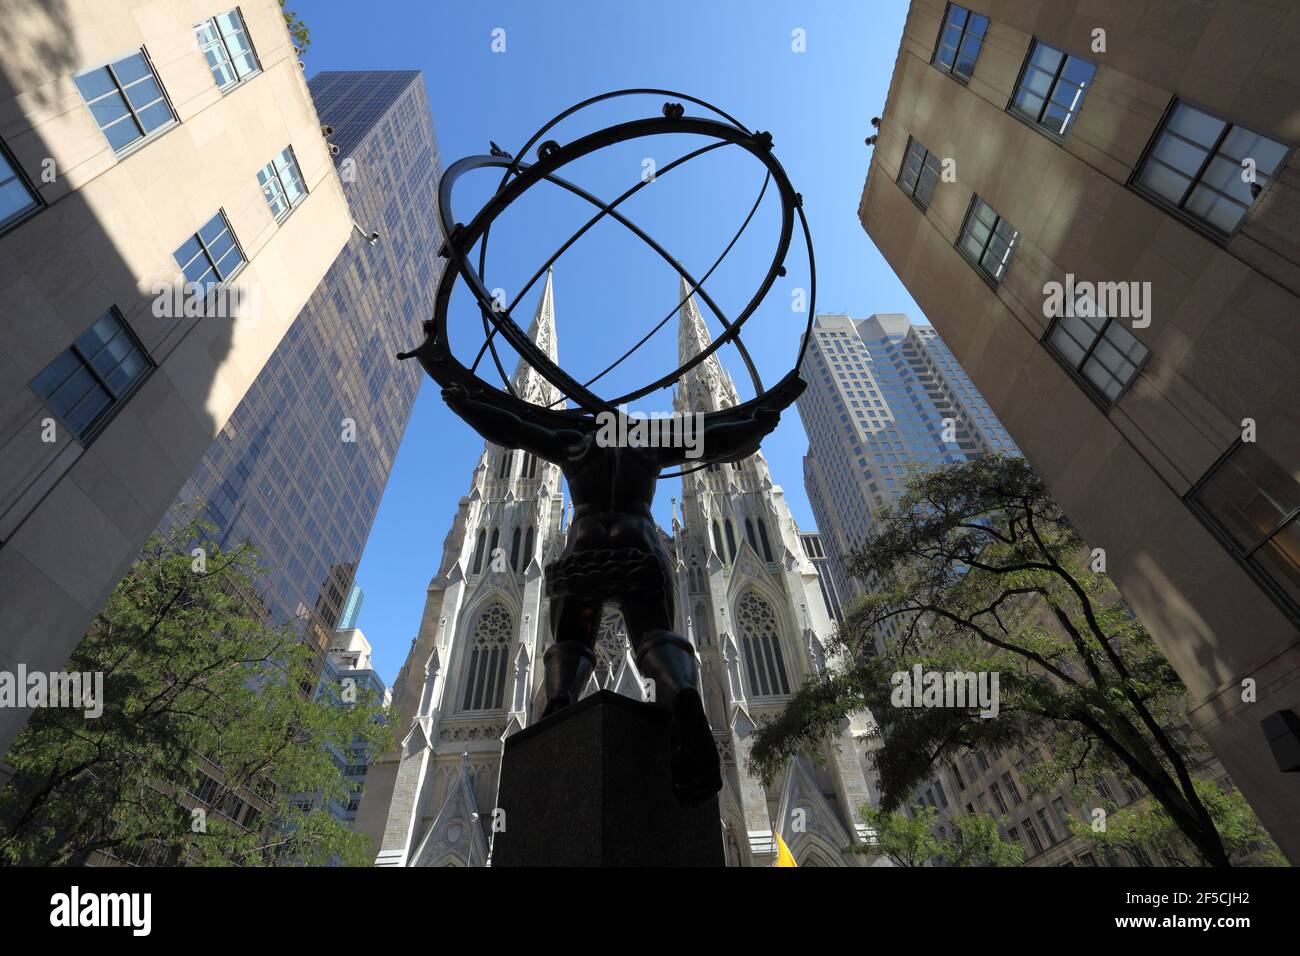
[142, 146]
[1096, 205]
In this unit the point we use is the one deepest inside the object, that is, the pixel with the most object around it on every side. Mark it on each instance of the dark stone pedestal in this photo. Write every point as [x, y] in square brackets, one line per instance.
[591, 786]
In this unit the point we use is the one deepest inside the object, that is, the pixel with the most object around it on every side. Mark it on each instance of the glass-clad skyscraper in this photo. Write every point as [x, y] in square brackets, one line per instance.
[884, 396]
[300, 467]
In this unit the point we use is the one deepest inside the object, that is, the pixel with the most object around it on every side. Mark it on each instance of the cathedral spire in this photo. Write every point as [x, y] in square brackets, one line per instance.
[527, 382]
[708, 386]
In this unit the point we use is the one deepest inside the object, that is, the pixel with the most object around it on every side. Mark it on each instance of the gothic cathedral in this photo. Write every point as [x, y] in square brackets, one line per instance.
[747, 598]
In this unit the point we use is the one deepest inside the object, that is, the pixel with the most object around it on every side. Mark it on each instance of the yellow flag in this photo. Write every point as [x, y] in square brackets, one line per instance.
[783, 855]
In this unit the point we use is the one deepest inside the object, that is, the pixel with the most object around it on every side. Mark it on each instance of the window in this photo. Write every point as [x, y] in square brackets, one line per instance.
[485, 679]
[997, 797]
[1097, 349]
[1030, 832]
[1252, 502]
[516, 542]
[1051, 88]
[1194, 168]
[282, 184]
[211, 255]
[959, 42]
[1011, 788]
[1059, 805]
[89, 381]
[761, 643]
[762, 536]
[1047, 827]
[919, 173]
[987, 239]
[227, 48]
[126, 100]
[479, 545]
[17, 199]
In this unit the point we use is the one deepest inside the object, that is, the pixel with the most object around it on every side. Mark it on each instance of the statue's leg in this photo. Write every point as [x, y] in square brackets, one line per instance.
[568, 663]
[668, 660]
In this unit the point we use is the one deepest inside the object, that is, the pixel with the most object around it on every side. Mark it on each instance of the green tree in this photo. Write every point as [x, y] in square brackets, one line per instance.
[192, 672]
[975, 840]
[1146, 825]
[978, 570]
[297, 30]
[906, 841]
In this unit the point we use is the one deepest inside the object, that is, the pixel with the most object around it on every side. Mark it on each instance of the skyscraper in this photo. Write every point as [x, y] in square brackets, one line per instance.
[1095, 205]
[301, 465]
[746, 597]
[884, 396]
[139, 141]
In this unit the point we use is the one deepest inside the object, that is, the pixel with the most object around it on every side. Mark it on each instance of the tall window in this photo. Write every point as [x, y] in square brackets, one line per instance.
[126, 100]
[750, 536]
[987, 239]
[717, 541]
[1032, 833]
[1194, 167]
[959, 43]
[762, 536]
[282, 185]
[761, 642]
[1046, 824]
[485, 679]
[1051, 88]
[516, 542]
[227, 48]
[17, 199]
[1254, 503]
[88, 382]
[211, 255]
[919, 173]
[528, 546]
[478, 551]
[1097, 348]
[731, 539]
[507, 462]
[1012, 788]
[997, 797]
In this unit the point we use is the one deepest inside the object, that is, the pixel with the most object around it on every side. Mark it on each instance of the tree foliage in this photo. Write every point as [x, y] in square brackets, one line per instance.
[297, 29]
[193, 677]
[976, 569]
[974, 841]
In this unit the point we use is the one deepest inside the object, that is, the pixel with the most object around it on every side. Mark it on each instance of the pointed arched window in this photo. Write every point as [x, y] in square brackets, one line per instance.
[761, 642]
[717, 541]
[478, 551]
[492, 548]
[515, 542]
[762, 534]
[731, 539]
[489, 652]
[749, 535]
[528, 546]
[507, 460]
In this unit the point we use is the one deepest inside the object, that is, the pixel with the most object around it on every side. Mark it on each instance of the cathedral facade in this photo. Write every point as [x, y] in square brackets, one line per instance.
[747, 598]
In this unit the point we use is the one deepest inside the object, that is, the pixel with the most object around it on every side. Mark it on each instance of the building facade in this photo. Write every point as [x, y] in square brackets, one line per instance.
[321, 424]
[348, 677]
[146, 277]
[815, 552]
[1097, 206]
[747, 598]
[884, 397]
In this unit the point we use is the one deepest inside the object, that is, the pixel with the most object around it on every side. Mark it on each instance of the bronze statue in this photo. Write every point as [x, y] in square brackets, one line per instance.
[612, 551]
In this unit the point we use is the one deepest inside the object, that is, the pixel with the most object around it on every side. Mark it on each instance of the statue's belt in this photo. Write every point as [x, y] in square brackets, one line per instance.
[605, 573]
[635, 510]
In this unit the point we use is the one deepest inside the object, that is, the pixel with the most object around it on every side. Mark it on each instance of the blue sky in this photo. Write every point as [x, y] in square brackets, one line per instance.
[610, 288]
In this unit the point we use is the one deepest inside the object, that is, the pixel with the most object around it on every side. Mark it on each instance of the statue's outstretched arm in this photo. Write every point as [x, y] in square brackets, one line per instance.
[507, 429]
[728, 436]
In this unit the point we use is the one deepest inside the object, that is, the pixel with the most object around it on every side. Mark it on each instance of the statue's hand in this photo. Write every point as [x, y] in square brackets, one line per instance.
[455, 396]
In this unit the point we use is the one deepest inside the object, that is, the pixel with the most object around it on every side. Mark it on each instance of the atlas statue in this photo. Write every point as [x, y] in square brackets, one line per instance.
[612, 551]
